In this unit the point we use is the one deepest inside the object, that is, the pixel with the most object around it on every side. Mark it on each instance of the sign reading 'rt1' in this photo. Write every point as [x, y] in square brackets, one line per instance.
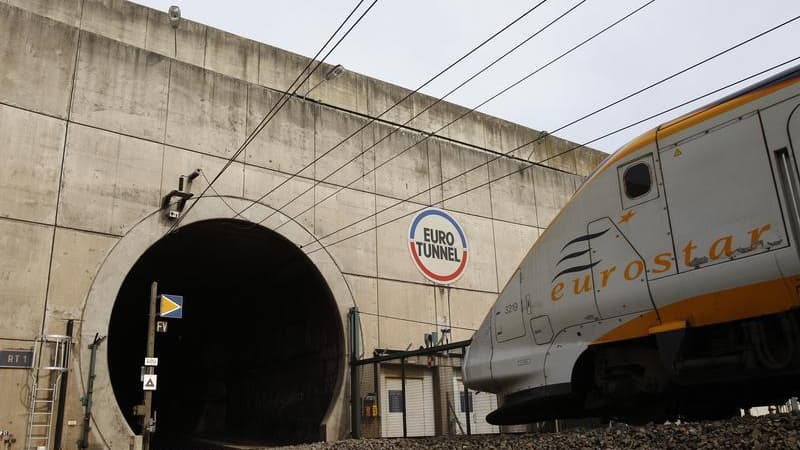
[16, 358]
[438, 245]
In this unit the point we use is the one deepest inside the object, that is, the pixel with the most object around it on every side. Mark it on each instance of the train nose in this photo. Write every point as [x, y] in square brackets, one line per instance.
[477, 367]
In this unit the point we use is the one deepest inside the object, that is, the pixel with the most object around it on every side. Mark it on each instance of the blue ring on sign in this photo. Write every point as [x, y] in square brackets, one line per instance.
[441, 213]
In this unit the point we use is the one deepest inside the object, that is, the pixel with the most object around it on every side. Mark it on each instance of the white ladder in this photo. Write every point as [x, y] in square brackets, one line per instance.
[50, 361]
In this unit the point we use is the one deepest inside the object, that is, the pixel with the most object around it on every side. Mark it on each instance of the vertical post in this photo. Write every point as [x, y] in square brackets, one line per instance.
[403, 393]
[376, 387]
[467, 408]
[62, 390]
[83, 443]
[355, 394]
[151, 343]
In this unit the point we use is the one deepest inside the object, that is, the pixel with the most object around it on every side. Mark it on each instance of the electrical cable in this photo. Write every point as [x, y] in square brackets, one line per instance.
[285, 96]
[399, 102]
[618, 130]
[637, 92]
[434, 133]
[383, 316]
[202, 172]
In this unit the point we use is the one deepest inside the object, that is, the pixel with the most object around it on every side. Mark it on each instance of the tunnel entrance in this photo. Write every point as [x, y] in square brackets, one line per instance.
[255, 358]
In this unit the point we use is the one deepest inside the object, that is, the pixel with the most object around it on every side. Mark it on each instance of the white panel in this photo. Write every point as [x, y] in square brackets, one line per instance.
[619, 273]
[721, 194]
[508, 312]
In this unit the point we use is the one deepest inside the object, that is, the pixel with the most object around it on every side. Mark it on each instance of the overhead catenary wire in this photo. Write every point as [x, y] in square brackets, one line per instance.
[284, 98]
[626, 97]
[401, 101]
[491, 98]
[384, 316]
[529, 165]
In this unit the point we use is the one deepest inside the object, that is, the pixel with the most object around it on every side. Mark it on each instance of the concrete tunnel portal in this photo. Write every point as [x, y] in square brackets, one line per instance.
[256, 357]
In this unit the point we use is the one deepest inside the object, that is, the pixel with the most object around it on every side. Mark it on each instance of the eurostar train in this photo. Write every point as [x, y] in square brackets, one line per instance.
[669, 285]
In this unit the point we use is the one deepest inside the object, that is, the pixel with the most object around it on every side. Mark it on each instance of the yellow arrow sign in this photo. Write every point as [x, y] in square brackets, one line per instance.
[171, 307]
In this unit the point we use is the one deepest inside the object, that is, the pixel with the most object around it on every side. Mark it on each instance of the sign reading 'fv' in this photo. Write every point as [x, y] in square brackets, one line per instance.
[438, 245]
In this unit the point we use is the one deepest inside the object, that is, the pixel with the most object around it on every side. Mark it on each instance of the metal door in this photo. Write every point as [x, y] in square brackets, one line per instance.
[721, 194]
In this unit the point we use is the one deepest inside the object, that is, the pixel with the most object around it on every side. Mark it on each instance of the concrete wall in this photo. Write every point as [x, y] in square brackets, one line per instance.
[103, 106]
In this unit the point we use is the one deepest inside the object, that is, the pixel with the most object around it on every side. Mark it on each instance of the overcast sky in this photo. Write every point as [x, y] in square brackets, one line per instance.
[406, 42]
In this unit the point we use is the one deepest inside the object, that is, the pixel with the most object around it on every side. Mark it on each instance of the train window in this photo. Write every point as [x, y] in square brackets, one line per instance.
[637, 180]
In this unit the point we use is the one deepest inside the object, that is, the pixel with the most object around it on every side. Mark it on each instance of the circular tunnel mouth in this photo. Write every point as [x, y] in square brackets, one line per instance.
[255, 358]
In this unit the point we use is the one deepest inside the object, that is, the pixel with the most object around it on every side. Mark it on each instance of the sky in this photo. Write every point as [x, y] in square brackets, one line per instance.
[407, 42]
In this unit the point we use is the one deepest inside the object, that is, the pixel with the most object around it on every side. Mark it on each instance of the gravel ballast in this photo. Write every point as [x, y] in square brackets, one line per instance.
[780, 431]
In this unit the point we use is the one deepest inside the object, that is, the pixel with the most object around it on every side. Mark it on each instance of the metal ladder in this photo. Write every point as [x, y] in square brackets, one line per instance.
[50, 361]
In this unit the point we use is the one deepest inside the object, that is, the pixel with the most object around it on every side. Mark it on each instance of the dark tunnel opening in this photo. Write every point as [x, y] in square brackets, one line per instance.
[255, 358]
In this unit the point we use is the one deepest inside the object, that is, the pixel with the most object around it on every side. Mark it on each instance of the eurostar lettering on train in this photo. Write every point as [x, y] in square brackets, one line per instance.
[661, 263]
[438, 245]
[669, 285]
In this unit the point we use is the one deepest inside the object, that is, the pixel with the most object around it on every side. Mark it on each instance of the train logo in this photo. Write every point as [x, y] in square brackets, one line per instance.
[438, 245]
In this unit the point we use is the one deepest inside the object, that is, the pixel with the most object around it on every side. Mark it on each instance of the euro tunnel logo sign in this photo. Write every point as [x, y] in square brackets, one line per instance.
[438, 245]
[171, 306]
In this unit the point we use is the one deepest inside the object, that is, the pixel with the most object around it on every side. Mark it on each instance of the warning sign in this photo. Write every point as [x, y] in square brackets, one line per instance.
[438, 245]
[149, 382]
[171, 306]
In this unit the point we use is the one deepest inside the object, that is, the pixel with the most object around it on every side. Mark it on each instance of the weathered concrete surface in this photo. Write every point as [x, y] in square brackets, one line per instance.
[110, 181]
[13, 385]
[179, 162]
[121, 88]
[279, 69]
[77, 255]
[274, 68]
[232, 55]
[508, 237]
[67, 11]
[23, 273]
[38, 56]
[150, 104]
[29, 179]
[513, 194]
[286, 144]
[406, 318]
[284, 189]
[465, 171]
[116, 19]
[206, 111]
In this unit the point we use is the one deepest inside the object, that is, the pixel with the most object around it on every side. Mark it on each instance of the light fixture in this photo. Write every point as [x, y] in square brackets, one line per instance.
[174, 16]
[333, 72]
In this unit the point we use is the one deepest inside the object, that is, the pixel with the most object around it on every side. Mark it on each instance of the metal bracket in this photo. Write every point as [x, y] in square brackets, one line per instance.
[182, 193]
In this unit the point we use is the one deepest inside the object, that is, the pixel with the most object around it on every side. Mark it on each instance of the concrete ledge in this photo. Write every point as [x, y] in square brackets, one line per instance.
[268, 66]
